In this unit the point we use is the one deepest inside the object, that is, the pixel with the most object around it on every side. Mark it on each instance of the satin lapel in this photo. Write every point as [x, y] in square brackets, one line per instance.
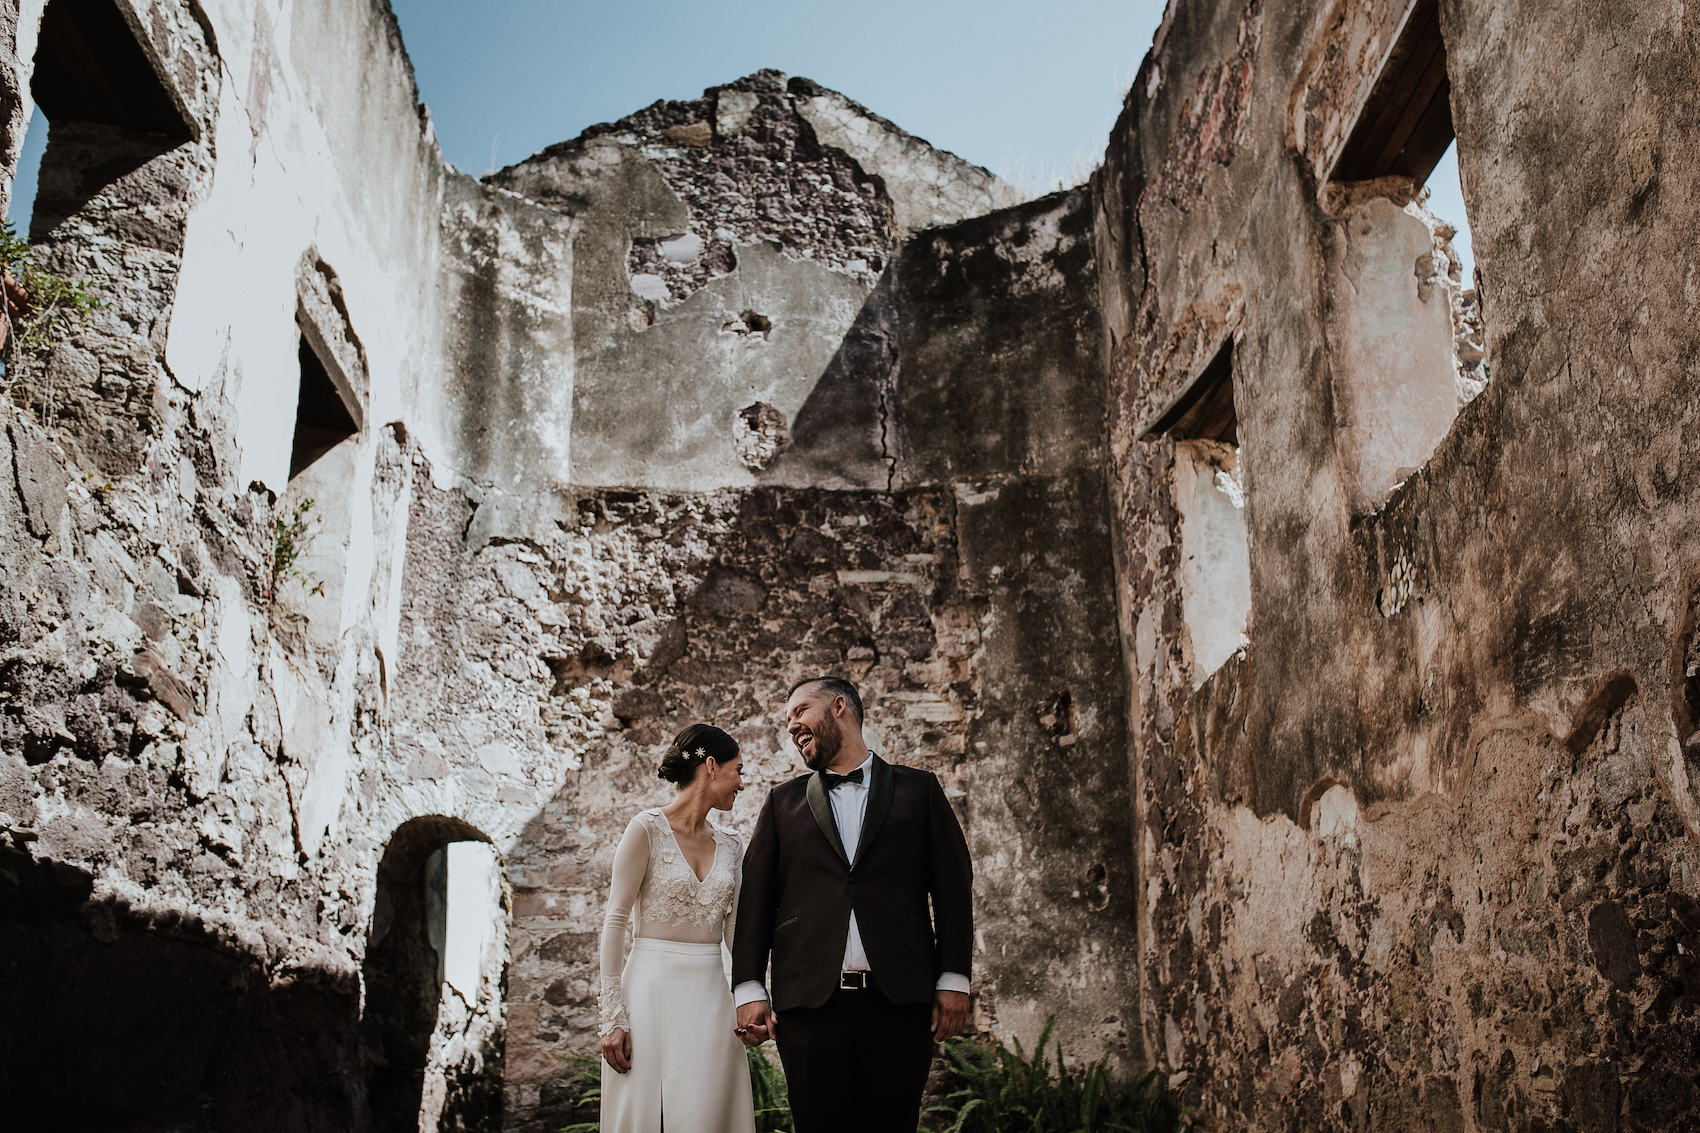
[879, 804]
[821, 808]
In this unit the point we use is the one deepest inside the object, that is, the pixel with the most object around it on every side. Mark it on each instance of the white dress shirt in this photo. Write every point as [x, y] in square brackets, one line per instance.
[849, 807]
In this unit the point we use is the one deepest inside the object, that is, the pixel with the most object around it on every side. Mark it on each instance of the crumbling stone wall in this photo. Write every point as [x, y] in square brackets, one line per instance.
[189, 783]
[985, 650]
[1422, 857]
[720, 241]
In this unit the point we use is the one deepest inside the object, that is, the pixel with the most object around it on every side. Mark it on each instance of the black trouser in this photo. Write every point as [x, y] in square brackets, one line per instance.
[857, 1063]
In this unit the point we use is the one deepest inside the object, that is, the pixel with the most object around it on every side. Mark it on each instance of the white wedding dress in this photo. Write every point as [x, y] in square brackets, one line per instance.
[671, 995]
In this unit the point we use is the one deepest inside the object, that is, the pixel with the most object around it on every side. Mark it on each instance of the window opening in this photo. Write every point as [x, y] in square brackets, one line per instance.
[330, 406]
[108, 111]
[1215, 568]
[1408, 313]
[1405, 128]
[1406, 124]
[322, 419]
[1206, 410]
[89, 67]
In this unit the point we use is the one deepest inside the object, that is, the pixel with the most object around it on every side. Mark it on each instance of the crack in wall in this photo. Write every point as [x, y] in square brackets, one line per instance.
[887, 392]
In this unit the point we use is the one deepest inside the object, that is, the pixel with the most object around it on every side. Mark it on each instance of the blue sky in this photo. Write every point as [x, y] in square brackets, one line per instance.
[1012, 86]
[1025, 90]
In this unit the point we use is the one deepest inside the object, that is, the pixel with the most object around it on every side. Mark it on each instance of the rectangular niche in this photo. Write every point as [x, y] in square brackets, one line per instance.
[1215, 566]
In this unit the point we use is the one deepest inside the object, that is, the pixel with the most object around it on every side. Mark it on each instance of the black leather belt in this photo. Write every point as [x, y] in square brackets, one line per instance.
[855, 981]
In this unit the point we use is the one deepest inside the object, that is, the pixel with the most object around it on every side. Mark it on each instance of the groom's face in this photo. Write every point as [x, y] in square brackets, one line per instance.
[813, 729]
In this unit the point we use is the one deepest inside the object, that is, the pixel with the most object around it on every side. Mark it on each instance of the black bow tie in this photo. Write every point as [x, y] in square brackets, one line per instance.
[830, 780]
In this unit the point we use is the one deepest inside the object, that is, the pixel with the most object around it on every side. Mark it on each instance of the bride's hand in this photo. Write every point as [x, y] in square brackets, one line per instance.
[756, 1024]
[617, 1049]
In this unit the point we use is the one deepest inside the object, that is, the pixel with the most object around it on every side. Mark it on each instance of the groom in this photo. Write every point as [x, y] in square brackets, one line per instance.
[836, 885]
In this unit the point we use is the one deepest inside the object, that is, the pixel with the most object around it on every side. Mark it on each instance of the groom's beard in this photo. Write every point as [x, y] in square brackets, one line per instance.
[829, 738]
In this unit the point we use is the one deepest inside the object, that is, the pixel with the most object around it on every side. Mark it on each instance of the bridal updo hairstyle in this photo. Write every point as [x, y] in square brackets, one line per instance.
[691, 747]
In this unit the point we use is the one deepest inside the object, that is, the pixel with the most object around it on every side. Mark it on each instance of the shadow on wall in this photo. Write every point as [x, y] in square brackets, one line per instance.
[174, 1026]
[842, 435]
[118, 1019]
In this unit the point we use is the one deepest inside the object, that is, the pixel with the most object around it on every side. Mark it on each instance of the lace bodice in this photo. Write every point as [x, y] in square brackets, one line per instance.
[671, 893]
[652, 873]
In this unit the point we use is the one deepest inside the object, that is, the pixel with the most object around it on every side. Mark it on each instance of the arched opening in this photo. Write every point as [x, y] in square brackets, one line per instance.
[434, 974]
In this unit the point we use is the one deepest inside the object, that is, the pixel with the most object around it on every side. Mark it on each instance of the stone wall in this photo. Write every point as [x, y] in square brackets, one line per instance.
[1422, 856]
[985, 648]
[193, 782]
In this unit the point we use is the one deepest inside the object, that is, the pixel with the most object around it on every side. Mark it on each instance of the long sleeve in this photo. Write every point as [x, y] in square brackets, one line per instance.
[952, 886]
[729, 928]
[631, 864]
[758, 897]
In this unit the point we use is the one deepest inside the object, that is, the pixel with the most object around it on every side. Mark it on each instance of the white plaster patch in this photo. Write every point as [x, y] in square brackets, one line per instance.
[1394, 376]
[1145, 638]
[1336, 812]
[679, 250]
[651, 287]
[1215, 556]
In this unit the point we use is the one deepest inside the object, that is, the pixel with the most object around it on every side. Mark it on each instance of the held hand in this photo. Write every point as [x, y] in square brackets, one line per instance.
[756, 1024]
[950, 1011]
[617, 1049]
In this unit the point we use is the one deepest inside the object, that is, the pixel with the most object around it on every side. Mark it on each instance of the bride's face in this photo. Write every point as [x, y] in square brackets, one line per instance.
[727, 781]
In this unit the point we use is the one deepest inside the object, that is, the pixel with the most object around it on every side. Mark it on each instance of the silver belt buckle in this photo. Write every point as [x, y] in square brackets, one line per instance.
[853, 981]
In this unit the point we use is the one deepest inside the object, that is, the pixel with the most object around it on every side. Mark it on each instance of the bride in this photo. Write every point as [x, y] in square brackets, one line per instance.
[668, 1048]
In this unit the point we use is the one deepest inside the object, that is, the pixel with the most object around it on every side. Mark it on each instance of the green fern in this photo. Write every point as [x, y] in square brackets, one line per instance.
[588, 1080]
[767, 1088]
[998, 1090]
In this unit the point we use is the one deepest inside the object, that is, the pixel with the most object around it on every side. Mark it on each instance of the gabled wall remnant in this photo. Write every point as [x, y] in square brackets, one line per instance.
[1321, 713]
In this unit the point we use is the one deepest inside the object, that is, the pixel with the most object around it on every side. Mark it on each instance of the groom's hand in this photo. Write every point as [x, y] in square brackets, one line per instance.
[950, 1011]
[756, 1024]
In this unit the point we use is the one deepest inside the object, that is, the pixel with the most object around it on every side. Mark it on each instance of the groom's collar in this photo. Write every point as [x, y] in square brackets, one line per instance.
[866, 767]
[879, 783]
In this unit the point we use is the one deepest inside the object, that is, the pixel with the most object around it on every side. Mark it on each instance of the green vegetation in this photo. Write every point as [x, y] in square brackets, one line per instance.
[39, 307]
[767, 1087]
[998, 1090]
[289, 533]
[588, 1081]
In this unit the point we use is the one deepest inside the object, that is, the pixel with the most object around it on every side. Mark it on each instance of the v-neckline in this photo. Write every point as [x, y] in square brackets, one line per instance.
[712, 857]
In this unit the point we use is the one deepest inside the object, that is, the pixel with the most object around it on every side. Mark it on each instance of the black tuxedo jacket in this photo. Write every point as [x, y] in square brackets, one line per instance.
[801, 883]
